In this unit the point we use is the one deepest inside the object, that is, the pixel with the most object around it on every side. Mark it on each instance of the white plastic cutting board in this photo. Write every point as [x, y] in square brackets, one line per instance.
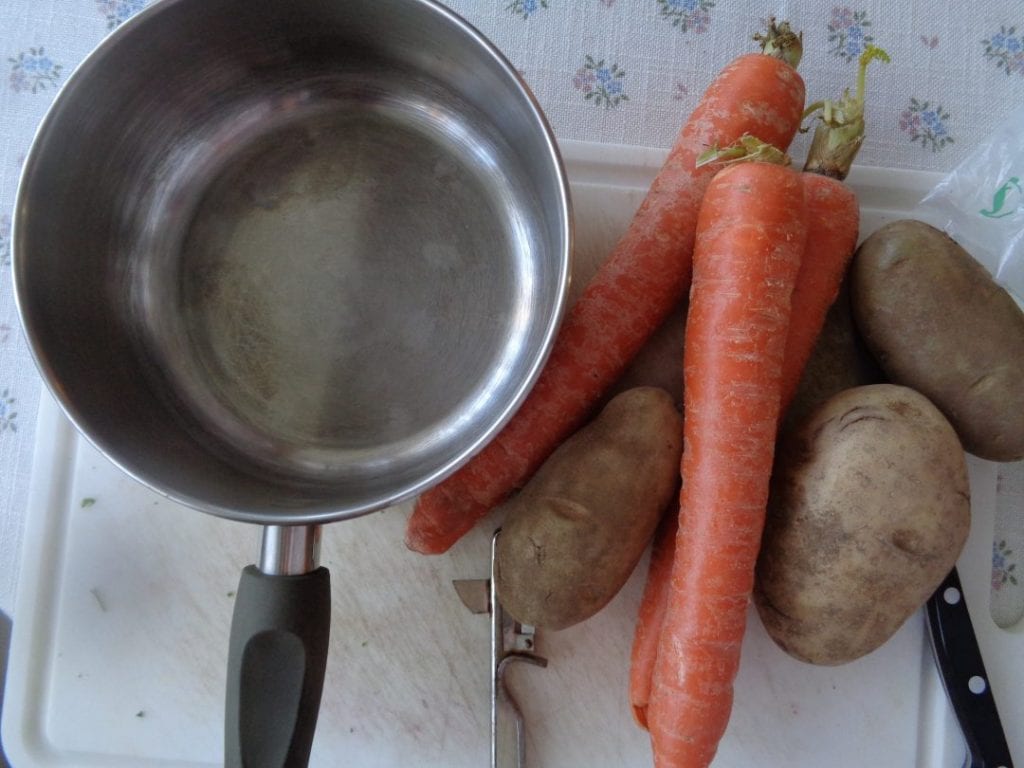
[120, 640]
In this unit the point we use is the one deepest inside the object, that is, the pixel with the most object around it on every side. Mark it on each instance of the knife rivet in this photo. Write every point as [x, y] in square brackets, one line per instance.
[977, 684]
[951, 595]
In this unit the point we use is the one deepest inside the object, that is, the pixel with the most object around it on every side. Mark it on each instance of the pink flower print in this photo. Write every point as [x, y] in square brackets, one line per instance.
[910, 122]
[585, 80]
[700, 21]
[841, 17]
[1017, 63]
[847, 31]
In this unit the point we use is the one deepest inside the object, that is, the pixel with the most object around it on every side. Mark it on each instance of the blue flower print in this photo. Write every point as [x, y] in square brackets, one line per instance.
[926, 123]
[601, 83]
[688, 15]
[847, 31]
[1003, 566]
[36, 64]
[33, 70]
[854, 42]
[1006, 49]
[608, 81]
[930, 119]
[526, 8]
[119, 11]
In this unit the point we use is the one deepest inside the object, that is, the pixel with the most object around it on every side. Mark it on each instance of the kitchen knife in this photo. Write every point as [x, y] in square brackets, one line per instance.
[964, 677]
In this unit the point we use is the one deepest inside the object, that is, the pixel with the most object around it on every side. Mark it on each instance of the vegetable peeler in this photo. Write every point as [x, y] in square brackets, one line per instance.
[510, 642]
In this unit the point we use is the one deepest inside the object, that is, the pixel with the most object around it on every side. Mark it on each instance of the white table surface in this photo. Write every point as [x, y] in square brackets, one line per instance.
[957, 70]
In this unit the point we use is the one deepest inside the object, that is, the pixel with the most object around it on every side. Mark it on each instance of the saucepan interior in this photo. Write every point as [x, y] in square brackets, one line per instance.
[292, 261]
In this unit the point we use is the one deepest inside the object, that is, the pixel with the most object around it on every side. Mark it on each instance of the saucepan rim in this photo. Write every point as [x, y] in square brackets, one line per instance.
[314, 513]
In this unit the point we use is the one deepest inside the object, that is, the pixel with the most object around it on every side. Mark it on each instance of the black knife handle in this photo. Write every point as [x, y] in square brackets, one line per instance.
[963, 674]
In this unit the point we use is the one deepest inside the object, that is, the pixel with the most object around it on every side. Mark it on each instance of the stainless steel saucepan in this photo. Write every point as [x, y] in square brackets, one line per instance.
[289, 263]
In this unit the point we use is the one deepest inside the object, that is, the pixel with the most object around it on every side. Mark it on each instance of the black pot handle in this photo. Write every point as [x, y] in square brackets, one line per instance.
[276, 661]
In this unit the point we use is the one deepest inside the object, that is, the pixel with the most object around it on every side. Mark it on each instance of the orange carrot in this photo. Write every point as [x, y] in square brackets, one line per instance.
[651, 615]
[833, 217]
[646, 275]
[750, 238]
[832, 226]
[833, 223]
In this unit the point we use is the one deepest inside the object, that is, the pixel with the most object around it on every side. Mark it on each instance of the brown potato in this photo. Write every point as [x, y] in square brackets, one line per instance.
[572, 537]
[869, 511]
[937, 322]
[839, 361]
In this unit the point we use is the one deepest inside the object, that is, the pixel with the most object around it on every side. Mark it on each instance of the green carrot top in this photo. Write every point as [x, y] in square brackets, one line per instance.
[746, 148]
[839, 135]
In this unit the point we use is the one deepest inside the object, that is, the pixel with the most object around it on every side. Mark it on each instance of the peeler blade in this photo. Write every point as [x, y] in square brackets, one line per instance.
[475, 594]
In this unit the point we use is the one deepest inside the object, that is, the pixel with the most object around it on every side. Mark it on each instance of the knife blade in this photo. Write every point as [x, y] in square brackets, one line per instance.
[963, 675]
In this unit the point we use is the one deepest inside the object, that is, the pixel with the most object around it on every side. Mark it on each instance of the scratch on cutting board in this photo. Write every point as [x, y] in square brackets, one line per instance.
[95, 592]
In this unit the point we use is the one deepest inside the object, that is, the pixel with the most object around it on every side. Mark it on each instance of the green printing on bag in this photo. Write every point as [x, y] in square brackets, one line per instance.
[1000, 199]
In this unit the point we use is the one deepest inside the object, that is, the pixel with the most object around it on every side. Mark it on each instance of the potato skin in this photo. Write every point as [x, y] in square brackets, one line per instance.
[937, 322]
[869, 510]
[839, 361]
[572, 537]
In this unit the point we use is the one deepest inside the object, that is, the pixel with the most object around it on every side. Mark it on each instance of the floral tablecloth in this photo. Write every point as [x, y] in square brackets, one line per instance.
[621, 72]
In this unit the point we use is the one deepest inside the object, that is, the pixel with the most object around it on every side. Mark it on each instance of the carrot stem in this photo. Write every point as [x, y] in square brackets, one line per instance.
[781, 42]
[840, 132]
[746, 148]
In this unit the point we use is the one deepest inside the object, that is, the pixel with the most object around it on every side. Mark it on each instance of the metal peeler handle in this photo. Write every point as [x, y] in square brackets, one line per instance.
[510, 642]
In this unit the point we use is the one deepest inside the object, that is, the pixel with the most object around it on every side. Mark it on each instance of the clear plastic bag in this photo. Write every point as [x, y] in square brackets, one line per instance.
[980, 204]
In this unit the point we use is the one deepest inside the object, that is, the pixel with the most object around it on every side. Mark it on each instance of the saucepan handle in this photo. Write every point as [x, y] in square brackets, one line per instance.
[276, 660]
